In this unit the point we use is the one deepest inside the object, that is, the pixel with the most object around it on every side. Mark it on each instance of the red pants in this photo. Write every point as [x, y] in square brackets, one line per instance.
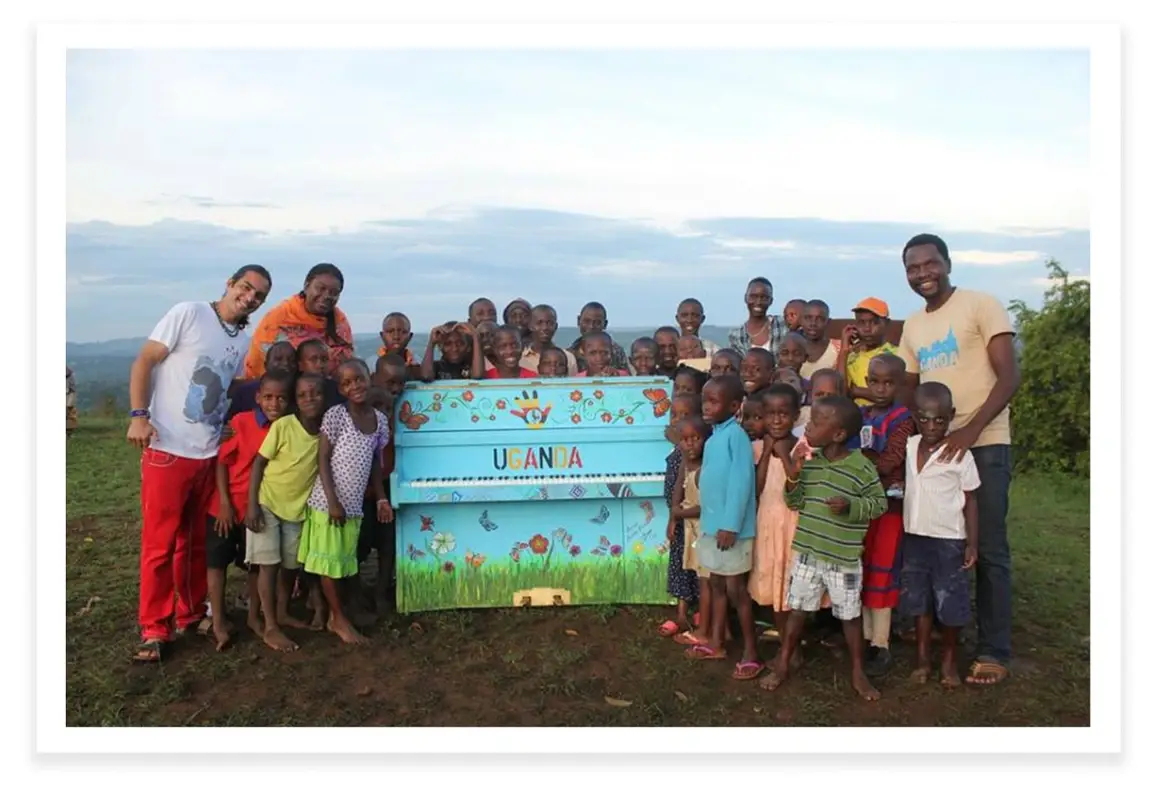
[174, 498]
[881, 561]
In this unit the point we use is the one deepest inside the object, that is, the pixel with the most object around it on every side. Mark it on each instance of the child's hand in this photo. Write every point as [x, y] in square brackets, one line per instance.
[970, 557]
[227, 432]
[850, 336]
[782, 448]
[255, 518]
[670, 530]
[801, 452]
[226, 518]
[384, 511]
[336, 514]
[838, 505]
[724, 539]
[437, 335]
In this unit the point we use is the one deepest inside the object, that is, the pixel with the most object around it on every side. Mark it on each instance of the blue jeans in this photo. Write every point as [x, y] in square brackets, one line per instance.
[993, 570]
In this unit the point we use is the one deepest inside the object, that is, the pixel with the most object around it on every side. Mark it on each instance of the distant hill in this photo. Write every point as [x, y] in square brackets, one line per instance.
[101, 368]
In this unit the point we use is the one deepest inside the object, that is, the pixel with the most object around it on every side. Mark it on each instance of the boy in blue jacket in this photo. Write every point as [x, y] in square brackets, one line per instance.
[727, 522]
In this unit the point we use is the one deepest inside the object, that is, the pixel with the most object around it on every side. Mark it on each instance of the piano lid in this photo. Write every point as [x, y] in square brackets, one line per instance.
[572, 404]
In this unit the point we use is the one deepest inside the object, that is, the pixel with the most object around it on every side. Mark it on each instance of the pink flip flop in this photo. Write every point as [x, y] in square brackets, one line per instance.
[669, 629]
[703, 652]
[747, 670]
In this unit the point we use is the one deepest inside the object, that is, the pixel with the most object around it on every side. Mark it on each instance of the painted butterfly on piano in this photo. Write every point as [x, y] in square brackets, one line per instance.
[660, 401]
[486, 522]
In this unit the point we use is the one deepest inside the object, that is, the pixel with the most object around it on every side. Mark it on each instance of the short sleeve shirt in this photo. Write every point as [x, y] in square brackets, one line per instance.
[190, 386]
[933, 498]
[249, 429]
[352, 455]
[949, 346]
[293, 462]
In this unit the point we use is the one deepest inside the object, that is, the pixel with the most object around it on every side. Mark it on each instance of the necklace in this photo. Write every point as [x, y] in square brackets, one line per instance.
[232, 332]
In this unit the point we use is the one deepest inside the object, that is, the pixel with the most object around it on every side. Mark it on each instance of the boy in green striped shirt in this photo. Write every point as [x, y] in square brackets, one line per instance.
[837, 494]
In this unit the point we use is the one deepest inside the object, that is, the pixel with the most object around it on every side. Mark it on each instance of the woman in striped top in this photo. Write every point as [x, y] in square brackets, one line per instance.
[837, 494]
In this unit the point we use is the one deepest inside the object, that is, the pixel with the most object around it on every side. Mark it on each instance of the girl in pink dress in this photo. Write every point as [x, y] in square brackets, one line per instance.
[771, 414]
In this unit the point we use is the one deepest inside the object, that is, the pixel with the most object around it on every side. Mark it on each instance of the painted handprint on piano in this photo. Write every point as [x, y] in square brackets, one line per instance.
[530, 411]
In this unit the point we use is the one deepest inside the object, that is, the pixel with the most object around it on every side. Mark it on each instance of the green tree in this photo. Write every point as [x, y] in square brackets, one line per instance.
[1051, 414]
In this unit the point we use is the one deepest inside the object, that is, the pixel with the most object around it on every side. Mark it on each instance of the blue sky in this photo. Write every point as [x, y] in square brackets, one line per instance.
[635, 178]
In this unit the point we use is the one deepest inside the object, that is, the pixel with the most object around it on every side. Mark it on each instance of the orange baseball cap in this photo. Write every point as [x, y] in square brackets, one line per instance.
[875, 306]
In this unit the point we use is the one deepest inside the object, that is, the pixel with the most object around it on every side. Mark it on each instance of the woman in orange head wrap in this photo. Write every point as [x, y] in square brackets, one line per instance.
[310, 314]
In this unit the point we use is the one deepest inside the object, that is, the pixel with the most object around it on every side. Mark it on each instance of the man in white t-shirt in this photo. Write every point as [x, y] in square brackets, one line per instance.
[179, 393]
[964, 339]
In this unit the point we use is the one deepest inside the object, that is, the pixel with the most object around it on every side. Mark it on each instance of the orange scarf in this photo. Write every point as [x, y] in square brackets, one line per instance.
[290, 321]
[409, 358]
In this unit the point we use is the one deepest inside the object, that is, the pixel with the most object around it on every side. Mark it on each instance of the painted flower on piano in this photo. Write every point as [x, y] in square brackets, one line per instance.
[442, 542]
[576, 396]
[576, 418]
[467, 396]
[574, 550]
[538, 544]
[637, 549]
[605, 417]
[616, 550]
[448, 567]
[501, 404]
[597, 394]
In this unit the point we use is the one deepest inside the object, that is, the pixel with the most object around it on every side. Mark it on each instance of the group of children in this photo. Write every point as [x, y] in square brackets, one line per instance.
[794, 493]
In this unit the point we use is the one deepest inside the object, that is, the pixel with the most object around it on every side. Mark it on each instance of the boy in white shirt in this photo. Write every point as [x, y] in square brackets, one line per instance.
[941, 534]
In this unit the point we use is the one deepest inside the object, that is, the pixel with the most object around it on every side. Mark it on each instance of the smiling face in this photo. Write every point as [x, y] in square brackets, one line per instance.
[313, 358]
[758, 299]
[483, 310]
[310, 396]
[689, 347]
[321, 294]
[756, 370]
[553, 363]
[543, 326]
[396, 332]
[792, 352]
[668, 345]
[814, 322]
[274, 397]
[454, 347]
[689, 317]
[597, 353]
[353, 381]
[928, 275]
[243, 296]
[780, 412]
[507, 349]
[519, 314]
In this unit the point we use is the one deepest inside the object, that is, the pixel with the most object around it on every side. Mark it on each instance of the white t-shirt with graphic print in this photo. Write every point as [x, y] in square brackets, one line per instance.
[190, 386]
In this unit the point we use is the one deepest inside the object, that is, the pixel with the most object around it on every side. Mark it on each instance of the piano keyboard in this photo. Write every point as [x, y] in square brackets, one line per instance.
[504, 481]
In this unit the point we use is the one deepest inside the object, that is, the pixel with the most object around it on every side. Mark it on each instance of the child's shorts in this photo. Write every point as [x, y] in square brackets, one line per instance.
[811, 577]
[223, 551]
[278, 543]
[933, 577]
[735, 560]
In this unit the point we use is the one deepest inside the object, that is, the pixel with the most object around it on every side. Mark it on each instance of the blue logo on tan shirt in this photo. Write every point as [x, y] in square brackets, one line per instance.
[940, 354]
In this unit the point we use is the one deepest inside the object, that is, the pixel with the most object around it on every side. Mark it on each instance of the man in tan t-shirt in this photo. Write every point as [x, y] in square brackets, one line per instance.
[965, 340]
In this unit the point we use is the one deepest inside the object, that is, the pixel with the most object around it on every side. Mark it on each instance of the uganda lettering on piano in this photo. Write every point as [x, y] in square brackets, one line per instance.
[531, 493]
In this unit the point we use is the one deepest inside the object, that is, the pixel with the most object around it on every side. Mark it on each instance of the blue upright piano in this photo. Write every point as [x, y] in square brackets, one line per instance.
[531, 493]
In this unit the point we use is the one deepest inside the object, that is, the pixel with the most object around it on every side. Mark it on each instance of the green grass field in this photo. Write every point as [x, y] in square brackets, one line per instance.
[537, 666]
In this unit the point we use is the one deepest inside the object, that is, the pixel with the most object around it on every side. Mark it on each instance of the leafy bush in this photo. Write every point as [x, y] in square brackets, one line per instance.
[1051, 414]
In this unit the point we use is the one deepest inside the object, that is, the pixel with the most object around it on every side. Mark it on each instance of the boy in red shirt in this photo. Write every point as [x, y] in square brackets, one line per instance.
[226, 529]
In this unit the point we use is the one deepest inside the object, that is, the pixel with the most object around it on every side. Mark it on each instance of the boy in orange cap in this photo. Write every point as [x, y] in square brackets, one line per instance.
[864, 340]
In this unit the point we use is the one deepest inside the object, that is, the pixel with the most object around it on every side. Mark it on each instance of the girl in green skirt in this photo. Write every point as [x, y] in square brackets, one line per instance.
[351, 436]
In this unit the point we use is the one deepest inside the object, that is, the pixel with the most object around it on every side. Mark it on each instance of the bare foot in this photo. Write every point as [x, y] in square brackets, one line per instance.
[346, 631]
[222, 630]
[949, 676]
[254, 625]
[288, 621]
[920, 674]
[775, 678]
[319, 621]
[275, 638]
[863, 687]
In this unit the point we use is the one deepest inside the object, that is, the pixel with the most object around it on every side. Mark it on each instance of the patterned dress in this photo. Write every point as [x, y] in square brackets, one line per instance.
[681, 583]
[325, 548]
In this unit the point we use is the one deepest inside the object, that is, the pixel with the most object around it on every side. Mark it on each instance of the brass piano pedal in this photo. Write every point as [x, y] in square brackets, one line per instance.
[542, 596]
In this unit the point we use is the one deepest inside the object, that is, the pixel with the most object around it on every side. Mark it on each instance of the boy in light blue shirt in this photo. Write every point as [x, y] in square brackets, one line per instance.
[727, 522]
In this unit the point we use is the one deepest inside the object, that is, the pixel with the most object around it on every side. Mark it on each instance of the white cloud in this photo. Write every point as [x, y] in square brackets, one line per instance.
[994, 258]
[627, 269]
[740, 244]
[1047, 282]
